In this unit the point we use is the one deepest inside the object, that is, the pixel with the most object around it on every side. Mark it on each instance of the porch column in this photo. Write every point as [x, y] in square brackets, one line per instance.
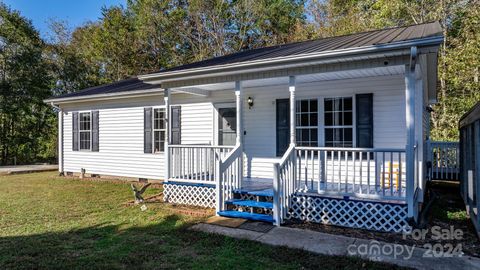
[239, 104]
[60, 141]
[166, 98]
[239, 141]
[291, 88]
[410, 126]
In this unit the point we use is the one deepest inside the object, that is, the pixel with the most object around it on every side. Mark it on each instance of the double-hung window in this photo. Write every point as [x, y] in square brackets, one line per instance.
[158, 130]
[85, 130]
[307, 122]
[338, 122]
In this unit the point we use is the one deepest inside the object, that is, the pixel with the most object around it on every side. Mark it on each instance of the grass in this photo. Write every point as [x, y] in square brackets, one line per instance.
[449, 206]
[52, 222]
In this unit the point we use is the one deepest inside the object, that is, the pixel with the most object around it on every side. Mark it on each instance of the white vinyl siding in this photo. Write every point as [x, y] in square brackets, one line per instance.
[121, 126]
[121, 134]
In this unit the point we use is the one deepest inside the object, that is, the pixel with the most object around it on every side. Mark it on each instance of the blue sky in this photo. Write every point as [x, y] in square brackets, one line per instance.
[75, 12]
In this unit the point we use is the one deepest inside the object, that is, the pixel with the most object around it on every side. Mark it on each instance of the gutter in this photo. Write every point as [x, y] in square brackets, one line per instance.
[179, 75]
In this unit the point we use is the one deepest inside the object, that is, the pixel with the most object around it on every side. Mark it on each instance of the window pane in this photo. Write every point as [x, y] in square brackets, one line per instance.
[304, 106]
[328, 104]
[298, 119]
[338, 134]
[304, 118]
[314, 136]
[347, 104]
[159, 118]
[162, 120]
[84, 140]
[84, 121]
[337, 104]
[313, 119]
[347, 118]
[313, 105]
[337, 119]
[328, 134]
[328, 119]
[305, 135]
[348, 134]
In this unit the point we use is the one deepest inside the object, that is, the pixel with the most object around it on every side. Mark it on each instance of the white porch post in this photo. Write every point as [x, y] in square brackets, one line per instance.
[291, 88]
[239, 104]
[239, 140]
[60, 141]
[166, 98]
[410, 125]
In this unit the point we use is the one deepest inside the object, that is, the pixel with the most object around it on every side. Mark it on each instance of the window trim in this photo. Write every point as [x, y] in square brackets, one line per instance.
[354, 121]
[80, 131]
[153, 129]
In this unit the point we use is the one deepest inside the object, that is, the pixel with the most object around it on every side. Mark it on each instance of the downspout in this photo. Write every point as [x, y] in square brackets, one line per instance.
[60, 138]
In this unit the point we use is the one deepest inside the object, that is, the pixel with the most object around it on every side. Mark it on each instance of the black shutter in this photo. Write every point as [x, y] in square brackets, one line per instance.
[147, 135]
[75, 131]
[176, 128]
[95, 125]
[364, 125]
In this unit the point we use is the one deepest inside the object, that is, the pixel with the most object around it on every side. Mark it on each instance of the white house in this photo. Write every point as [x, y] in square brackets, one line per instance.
[331, 130]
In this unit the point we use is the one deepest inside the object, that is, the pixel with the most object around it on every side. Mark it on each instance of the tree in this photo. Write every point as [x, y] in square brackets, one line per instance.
[25, 122]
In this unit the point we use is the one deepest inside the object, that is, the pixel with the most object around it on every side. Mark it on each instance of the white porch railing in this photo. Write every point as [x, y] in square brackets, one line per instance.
[354, 172]
[195, 163]
[283, 184]
[229, 170]
[445, 160]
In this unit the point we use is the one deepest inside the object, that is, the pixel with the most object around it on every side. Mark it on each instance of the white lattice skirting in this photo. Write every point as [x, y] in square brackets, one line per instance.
[189, 194]
[378, 216]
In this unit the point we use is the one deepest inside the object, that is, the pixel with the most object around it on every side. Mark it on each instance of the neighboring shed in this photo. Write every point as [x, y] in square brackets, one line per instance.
[470, 163]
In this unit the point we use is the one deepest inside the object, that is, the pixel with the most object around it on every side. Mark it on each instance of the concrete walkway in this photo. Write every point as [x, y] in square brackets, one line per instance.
[328, 244]
[5, 170]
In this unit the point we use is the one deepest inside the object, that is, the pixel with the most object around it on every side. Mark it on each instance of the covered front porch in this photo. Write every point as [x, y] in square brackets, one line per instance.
[315, 140]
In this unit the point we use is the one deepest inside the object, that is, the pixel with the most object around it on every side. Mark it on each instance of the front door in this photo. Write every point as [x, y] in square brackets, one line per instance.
[227, 126]
[283, 125]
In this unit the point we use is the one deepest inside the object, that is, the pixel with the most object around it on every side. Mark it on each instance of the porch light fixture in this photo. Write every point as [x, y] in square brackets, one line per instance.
[250, 102]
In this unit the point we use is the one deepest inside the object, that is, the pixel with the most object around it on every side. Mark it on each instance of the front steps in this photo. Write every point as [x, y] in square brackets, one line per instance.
[250, 204]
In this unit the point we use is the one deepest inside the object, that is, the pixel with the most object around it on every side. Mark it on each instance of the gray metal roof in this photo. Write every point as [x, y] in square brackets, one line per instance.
[131, 84]
[331, 44]
[376, 37]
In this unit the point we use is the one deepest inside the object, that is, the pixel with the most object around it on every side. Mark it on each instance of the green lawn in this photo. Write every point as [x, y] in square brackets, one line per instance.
[52, 222]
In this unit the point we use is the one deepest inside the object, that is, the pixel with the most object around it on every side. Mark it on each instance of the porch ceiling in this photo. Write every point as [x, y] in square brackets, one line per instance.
[300, 79]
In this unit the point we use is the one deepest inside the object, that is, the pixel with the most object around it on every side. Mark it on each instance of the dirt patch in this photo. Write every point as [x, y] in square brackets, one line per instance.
[192, 211]
[113, 180]
[447, 211]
